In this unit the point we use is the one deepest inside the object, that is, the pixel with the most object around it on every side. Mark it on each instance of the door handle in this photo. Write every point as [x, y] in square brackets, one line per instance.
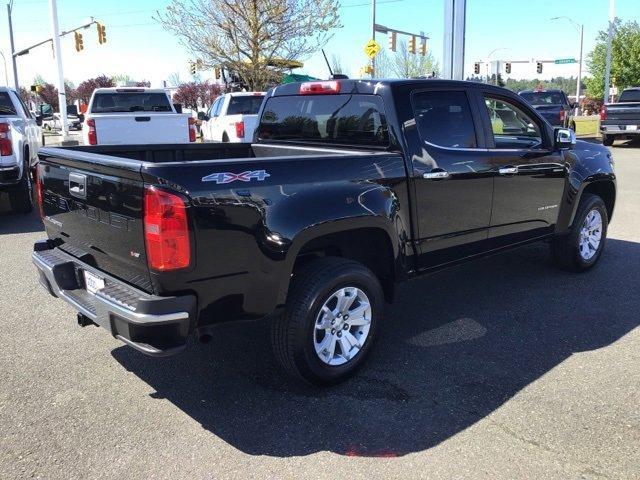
[508, 170]
[435, 175]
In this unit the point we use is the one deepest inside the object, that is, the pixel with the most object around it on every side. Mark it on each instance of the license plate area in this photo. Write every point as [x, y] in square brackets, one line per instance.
[92, 282]
[632, 127]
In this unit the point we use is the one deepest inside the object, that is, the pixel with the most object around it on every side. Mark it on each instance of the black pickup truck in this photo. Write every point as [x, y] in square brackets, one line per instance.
[553, 105]
[349, 187]
[621, 119]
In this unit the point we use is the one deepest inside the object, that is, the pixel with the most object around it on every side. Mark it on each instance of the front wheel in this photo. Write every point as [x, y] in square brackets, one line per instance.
[607, 140]
[581, 248]
[330, 321]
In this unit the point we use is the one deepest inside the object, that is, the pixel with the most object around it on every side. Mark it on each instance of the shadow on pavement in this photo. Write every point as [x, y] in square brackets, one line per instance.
[454, 347]
[18, 223]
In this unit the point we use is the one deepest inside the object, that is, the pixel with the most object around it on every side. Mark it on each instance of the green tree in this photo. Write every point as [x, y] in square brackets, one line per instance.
[404, 64]
[625, 59]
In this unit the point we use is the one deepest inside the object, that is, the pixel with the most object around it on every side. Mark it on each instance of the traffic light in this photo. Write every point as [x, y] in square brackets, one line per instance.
[539, 67]
[423, 47]
[412, 44]
[102, 35]
[216, 71]
[393, 39]
[79, 43]
[507, 67]
[476, 68]
[36, 88]
[192, 68]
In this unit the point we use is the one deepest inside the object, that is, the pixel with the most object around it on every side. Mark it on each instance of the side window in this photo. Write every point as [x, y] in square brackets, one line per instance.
[512, 128]
[213, 107]
[444, 118]
[216, 111]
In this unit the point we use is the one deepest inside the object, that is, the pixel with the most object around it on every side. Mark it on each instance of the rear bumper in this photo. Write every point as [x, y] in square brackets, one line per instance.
[619, 130]
[157, 326]
[9, 176]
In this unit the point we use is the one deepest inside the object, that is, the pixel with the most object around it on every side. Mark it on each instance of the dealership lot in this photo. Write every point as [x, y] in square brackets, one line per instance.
[502, 368]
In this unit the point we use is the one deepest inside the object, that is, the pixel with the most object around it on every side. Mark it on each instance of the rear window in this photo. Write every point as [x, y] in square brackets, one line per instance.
[113, 102]
[544, 98]
[245, 105]
[6, 105]
[330, 119]
[630, 96]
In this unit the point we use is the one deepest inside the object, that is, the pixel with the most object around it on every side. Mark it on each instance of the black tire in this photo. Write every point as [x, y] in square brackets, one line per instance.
[225, 138]
[607, 140]
[572, 126]
[21, 197]
[293, 332]
[565, 249]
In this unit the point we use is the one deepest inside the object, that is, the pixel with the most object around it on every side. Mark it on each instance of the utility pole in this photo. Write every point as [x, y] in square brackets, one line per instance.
[607, 69]
[62, 97]
[455, 12]
[373, 35]
[579, 70]
[13, 57]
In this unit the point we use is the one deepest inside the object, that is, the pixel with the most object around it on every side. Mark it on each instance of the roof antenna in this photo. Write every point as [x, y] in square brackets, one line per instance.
[328, 65]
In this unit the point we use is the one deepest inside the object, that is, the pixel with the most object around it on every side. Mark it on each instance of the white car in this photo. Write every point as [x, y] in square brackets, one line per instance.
[135, 116]
[233, 117]
[19, 142]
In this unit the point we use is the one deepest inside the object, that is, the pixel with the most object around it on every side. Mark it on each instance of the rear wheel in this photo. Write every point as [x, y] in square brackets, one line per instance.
[225, 138]
[607, 140]
[581, 248]
[330, 321]
[21, 198]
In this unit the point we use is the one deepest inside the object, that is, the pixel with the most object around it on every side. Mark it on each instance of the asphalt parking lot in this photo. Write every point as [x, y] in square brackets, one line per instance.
[500, 369]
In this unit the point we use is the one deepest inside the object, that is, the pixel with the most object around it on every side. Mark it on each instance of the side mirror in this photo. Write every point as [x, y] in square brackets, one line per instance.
[177, 107]
[39, 120]
[203, 116]
[565, 138]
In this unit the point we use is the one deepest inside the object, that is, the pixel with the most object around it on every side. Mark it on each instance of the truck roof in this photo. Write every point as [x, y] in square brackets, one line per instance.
[373, 86]
[552, 90]
[129, 89]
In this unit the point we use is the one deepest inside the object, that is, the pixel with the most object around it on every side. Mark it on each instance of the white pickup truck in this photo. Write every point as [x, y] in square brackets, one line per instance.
[135, 116]
[233, 117]
[19, 142]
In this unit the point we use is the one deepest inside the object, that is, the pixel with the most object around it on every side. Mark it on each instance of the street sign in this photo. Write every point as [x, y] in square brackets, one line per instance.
[372, 48]
[561, 61]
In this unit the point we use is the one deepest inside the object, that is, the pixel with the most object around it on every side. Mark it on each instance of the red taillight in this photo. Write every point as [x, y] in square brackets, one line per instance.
[38, 184]
[562, 115]
[603, 113]
[319, 88]
[93, 135]
[192, 129]
[240, 129]
[5, 140]
[166, 230]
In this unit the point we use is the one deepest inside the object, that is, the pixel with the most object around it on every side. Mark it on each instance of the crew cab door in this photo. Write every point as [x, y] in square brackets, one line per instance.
[529, 173]
[451, 174]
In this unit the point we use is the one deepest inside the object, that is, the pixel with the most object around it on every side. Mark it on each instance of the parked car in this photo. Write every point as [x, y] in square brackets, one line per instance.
[233, 117]
[621, 119]
[19, 142]
[126, 116]
[350, 187]
[553, 105]
[53, 122]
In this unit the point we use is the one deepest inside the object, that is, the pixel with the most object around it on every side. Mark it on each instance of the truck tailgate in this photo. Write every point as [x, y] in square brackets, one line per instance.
[623, 111]
[93, 211]
[142, 128]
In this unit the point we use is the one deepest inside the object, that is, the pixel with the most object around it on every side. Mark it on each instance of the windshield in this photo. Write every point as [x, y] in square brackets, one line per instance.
[6, 105]
[130, 102]
[544, 98]
[245, 105]
[630, 96]
[342, 119]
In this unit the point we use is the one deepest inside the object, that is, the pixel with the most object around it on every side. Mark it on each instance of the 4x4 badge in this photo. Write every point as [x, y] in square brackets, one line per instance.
[228, 177]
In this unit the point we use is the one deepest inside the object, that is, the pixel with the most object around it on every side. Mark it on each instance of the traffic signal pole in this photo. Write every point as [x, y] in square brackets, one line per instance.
[62, 97]
[373, 35]
[607, 69]
[13, 56]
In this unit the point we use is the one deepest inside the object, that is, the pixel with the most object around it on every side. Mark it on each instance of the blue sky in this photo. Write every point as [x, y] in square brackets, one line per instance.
[139, 47]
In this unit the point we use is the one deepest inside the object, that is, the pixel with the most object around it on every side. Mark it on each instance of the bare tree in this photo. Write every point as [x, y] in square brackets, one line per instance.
[336, 64]
[409, 65]
[255, 39]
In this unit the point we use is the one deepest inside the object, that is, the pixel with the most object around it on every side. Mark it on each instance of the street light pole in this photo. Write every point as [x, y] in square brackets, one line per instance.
[373, 35]
[13, 57]
[6, 74]
[62, 97]
[580, 28]
[607, 69]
